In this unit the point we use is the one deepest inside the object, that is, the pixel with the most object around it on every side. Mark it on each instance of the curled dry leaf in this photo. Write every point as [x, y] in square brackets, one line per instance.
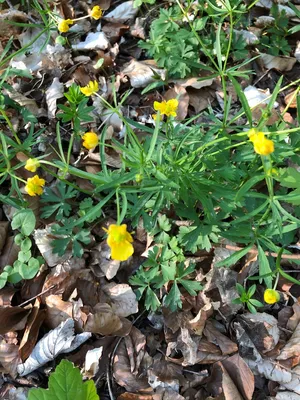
[59, 340]
[131, 362]
[93, 41]
[197, 324]
[55, 91]
[124, 302]
[101, 258]
[57, 310]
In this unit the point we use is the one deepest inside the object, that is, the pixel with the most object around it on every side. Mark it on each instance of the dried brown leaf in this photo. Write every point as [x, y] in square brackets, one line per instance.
[241, 375]
[13, 318]
[9, 357]
[213, 335]
[292, 348]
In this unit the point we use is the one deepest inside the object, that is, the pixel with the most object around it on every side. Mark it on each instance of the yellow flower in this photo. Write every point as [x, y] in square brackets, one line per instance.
[167, 108]
[90, 140]
[262, 145]
[120, 242]
[96, 12]
[63, 26]
[271, 296]
[90, 89]
[35, 186]
[32, 164]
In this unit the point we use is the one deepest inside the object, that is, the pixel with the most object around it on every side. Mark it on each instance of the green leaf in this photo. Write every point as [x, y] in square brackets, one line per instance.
[251, 308]
[173, 300]
[28, 271]
[65, 383]
[164, 223]
[25, 221]
[26, 245]
[251, 291]
[24, 256]
[234, 258]
[264, 267]
[58, 195]
[191, 286]
[151, 300]
[240, 289]
[256, 303]
[168, 271]
[3, 279]
[288, 277]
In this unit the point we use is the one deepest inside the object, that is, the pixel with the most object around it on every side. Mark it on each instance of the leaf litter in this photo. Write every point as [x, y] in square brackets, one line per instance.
[206, 351]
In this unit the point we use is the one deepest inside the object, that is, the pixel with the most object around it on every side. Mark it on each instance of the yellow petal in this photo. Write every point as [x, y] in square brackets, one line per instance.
[122, 251]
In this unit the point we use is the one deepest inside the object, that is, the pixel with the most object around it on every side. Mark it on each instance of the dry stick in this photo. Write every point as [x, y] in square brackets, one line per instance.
[34, 297]
[254, 251]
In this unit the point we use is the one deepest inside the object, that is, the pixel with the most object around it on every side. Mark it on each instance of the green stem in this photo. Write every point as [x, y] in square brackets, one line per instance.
[118, 206]
[3, 113]
[267, 164]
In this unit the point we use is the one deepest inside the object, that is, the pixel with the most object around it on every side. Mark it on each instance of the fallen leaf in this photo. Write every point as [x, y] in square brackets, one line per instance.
[55, 91]
[179, 93]
[141, 73]
[91, 364]
[31, 332]
[57, 341]
[124, 302]
[57, 310]
[9, 357]
[215, 336]
[3, 233]
[125, 11]
[197, 324]
[241, 375]
[281, 64]
[131, 362]
[93, 41]
[13, 318]
[292, 348]
[103, 321]
[221, 383]
[9, 253]
[257, 97]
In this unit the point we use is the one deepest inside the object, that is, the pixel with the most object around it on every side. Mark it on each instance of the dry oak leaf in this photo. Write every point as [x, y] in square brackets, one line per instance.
[124, 302]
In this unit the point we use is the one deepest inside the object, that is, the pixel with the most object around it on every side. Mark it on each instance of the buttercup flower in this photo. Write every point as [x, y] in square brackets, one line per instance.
[90, 89]
[167, 108]
[35, 186]
[90, 140]
[120, 242]
[271, 296]
[262, 145]
[63, 26]
[96, 12]
[32, 164]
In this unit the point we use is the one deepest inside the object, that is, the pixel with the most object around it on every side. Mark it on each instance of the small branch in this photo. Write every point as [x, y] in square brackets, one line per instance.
[254, 251]
[34, 297]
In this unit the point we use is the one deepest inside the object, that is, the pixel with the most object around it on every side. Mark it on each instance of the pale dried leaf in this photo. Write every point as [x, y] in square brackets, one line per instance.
[257, 97]
[123, 12]
[249, 37]
[22, 100]
[43, 239]
[287, 396]
[57, 341]
[280, 63]
[141, 73]
[194, 82]
[57, 310]
[166, 394]
[264, 21]
[93, 41]
[265, 321]
[124, 302]
[91, 364]
[55, 91]
[197, 324]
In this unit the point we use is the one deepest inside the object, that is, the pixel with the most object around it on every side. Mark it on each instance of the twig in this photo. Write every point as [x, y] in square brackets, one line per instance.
[34, 297]
[254, 251]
